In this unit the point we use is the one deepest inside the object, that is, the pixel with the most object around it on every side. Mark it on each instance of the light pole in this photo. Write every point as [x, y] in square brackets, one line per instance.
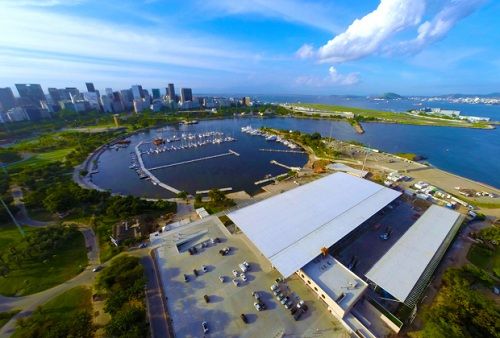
[7, 208]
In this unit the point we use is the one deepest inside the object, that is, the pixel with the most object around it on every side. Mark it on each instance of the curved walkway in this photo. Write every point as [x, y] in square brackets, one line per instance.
[22, 216]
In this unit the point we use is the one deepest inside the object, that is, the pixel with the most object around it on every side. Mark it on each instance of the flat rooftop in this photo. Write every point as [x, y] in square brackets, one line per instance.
[400, 269]
[335, 280]
[291, 228]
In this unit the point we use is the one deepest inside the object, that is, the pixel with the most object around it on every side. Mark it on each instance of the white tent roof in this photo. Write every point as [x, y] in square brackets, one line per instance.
[291, 228]
[399, 270]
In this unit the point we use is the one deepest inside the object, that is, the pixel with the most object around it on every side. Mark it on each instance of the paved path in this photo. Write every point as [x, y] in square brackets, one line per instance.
[29, 303]
[22, 216]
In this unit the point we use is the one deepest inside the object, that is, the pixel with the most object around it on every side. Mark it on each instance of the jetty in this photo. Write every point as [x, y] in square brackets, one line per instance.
[285, 166]
[230, 152]
[153, 178]
[283, 151]
[202, 192]
[265, 180]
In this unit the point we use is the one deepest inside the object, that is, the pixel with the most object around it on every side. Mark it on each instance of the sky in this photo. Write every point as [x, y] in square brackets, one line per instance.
[320, 47]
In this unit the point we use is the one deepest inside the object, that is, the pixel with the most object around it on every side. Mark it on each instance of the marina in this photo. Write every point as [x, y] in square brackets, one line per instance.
[230, 152]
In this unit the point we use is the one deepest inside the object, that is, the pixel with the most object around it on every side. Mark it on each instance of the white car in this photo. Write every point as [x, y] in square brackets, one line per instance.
[221, 278]
[243, 277]
[258, 306]
[245, 263]
[204, 268]
[235, 273]
[204, 325]
[235, 282]
[243, 267]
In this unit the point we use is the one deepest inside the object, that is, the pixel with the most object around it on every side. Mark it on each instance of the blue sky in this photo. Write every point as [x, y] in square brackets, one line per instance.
[412, 47]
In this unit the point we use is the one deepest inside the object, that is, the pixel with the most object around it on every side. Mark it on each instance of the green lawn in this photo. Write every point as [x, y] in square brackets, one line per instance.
[6, 316]
[41, 159]
[401, 117]
[61, 311]
[33, 276]
[10, 234]
[485, 258]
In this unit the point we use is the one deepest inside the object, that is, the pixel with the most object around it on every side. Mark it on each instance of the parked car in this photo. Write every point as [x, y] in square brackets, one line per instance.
[256, 295]
[243, 267]
[97, 268]
[288, 304]
[280, 296]
[277, 292]
[204, 325]
[195, 272]
[221, 278]
[235, 273]
[186, 278]
[207, 299]
[235, 282]
[243, 277]
[258, 306]
[244, 318]
[284, 300]
[298, 314]
[302, 305]
[293, 310]
[274, 287]
[204, 268]
[245, 263]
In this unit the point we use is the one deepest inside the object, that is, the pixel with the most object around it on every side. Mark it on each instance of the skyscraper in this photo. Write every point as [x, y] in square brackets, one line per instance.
[90, 87]
[31, 94]
[7, 99]
[137, 92]
[156, 93]
[186, 94]
[171, 92]
[55, 95]
[109, 92]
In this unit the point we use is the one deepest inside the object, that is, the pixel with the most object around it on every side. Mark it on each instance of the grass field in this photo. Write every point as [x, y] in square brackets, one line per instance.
[58, 310]
[34, 276]
[6, 316]
[485, 259]
[41, 159]
[390, 117]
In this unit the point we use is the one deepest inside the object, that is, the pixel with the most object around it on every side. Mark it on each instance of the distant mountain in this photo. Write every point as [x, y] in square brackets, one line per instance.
[456, 96]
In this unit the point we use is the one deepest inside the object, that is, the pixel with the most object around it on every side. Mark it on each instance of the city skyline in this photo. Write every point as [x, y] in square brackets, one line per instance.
[254, 47]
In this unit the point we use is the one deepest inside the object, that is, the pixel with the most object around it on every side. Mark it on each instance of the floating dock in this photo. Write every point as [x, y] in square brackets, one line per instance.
[153, 178]
[285, 166]
[202, 192]
[284, 151]
[270, 179]
[230, 152]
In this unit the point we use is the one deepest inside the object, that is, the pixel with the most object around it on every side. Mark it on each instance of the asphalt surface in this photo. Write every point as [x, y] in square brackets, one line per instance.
[155, 302]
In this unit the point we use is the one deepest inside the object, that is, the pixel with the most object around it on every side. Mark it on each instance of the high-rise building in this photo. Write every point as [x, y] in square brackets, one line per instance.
[186, 94]
[171, 92]
[90, 87]
[109, 92]
[7, 99]
[156, 93]
[31, 94]
[55, 95]
[127, 98]
[106, 104]
[72, 91]
[137, 92]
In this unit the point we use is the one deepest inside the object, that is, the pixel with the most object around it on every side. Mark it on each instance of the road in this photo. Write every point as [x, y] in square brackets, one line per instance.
[155, 301]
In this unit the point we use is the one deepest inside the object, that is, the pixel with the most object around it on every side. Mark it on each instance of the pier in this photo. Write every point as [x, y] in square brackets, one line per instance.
[153, 178]
[202, 192]
[285, 166]
[270, 179]
[284, 151]
[230, 152]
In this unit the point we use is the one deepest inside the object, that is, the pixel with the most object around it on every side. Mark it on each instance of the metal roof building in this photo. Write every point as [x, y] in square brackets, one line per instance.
[407, 267]
[291, 228]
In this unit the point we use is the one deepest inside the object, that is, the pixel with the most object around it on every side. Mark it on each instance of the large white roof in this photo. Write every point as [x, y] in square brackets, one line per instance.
[399, 270]
[291, 228]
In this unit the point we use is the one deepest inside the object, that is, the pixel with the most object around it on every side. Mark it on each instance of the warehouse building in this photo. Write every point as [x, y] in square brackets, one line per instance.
[295, 231]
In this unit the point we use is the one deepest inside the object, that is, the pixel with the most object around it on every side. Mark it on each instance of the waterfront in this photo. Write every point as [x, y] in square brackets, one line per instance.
[466, 152]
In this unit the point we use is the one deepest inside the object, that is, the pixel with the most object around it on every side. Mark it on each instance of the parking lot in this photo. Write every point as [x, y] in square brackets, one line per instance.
[227, 301]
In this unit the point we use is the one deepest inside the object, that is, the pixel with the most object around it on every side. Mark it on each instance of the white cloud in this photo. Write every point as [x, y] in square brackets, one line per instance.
[437, 28]
[368, 34]
[42, 3]
[320, 14]
[305, 52]
[334, 78]
[36, 30]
